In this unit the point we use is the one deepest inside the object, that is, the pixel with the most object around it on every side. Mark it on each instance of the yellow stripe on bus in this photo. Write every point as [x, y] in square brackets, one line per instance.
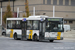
[30, 34]
[11, 34]
[58, 35]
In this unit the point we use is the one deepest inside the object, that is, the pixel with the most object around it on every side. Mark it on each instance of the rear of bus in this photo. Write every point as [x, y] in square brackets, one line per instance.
[54, 29]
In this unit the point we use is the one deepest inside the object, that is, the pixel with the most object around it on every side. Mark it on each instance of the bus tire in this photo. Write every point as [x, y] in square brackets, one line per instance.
[4, 34]
[51, 40]
[35, 37]
[15, 36]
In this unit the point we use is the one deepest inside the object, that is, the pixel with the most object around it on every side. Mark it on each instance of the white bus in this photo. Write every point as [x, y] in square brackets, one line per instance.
[37, 28]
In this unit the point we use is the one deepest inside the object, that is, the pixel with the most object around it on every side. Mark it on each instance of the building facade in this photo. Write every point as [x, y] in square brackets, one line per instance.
[63, 8]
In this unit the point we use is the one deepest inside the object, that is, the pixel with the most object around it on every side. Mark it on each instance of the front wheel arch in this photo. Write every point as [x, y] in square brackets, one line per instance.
[15, 36]
[35, 37]
[51, 40]
[4, 33]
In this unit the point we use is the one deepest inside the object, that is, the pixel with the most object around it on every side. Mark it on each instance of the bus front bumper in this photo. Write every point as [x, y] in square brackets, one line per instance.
[53, 38]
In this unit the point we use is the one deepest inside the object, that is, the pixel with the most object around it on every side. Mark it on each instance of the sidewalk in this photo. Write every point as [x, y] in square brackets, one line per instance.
[69, 39]
[69, 34]
[3, 36]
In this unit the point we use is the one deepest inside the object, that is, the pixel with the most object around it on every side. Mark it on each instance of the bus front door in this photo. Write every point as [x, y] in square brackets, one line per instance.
[41, 35]
[23, 30]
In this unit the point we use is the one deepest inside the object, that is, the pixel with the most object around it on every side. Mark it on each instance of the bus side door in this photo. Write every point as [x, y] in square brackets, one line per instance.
[42, 30]
[24, 24]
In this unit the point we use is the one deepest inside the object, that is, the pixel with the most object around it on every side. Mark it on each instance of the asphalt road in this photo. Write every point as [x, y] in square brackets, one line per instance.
[11, 44]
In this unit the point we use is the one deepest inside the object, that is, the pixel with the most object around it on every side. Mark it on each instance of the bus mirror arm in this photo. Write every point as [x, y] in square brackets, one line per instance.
[41, 21]
[63, 29]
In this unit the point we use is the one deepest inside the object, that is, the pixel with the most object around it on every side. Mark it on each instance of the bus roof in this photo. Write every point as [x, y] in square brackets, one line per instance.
[42, 16]
[54, 17]
[14, 18]
[38, 16]
[24, 18]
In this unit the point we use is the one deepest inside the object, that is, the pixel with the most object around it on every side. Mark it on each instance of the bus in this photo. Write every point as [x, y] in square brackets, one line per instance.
[35, 28]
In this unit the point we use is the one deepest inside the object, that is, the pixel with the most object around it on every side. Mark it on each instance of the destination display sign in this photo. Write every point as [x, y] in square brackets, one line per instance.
[54, 19]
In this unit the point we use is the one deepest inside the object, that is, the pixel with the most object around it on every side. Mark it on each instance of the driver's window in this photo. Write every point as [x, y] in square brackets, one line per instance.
[55, 27]
[60, 26]
[47, 26]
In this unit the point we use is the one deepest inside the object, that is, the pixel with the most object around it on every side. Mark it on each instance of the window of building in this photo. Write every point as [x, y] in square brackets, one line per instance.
[73, 2]
[66, 2]
[54, 2]
[48, 1]
[60, 2]
[65, 22]
[70, 21]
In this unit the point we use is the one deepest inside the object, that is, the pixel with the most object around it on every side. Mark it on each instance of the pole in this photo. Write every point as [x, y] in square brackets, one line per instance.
[13, 5]
[53, 11]
[17, 12]
[1, 20]
[33, 11]
[1, 16]
[1, 13]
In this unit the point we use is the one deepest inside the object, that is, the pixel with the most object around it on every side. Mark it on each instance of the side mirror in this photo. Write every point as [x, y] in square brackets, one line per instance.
[63, 29]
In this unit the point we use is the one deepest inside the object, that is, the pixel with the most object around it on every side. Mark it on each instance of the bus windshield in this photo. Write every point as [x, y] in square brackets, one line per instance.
[54, 26]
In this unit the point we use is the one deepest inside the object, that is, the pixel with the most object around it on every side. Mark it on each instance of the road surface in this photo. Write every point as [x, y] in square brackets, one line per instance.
[11, 44]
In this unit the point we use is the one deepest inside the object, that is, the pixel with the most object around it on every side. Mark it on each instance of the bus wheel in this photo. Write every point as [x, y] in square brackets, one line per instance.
[15, 36]
[4, 34]
[35, 37]
[51, 40]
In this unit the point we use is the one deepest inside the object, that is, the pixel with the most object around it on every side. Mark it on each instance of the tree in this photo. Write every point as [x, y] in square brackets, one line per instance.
[27, 9]
[24, 15]
[8, 13]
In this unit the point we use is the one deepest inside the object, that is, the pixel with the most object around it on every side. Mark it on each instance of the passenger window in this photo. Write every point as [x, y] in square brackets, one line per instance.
[29, 25]
[13, 24]
[18, 24]
[35, 25]
[9, 24]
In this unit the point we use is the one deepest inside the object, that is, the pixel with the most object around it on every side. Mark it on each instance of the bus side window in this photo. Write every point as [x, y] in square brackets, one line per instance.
[18, 24]
[29, 25]
[8, 24]
[11, 24]
[35, 25]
